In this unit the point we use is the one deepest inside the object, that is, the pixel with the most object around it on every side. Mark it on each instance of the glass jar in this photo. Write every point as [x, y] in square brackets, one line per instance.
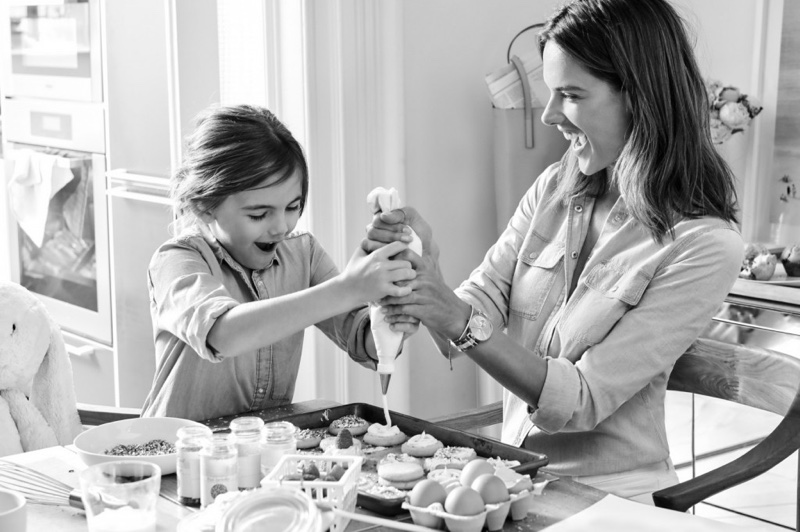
[248, 443]
[278, 439]
[188, 447]
[218, 467]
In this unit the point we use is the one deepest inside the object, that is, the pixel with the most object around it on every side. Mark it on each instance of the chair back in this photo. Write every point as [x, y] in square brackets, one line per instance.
[748, 375]
[745, 374]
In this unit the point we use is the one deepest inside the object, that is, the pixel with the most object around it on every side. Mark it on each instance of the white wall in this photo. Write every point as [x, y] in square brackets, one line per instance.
[449, 46]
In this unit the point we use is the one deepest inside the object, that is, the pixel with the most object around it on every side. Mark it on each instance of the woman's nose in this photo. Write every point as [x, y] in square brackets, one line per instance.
[551, 116]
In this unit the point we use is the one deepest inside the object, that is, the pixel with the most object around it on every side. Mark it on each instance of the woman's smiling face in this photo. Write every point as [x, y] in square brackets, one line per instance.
[591, 114]
[251, 224]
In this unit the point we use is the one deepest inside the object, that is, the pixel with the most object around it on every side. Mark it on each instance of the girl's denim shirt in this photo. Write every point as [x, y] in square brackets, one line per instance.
[610, 345]
[192, 282]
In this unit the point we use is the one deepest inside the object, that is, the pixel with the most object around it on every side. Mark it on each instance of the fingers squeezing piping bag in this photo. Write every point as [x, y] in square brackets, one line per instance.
[387, 342]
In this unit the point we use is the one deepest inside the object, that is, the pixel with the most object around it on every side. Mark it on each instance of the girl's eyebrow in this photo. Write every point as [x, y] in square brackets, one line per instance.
[260, 207]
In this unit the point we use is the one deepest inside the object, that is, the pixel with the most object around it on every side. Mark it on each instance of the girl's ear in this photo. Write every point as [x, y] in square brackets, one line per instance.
[207, 216]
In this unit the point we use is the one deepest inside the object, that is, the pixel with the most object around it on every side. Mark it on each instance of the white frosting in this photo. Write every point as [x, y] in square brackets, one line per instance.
[421, 440]
[376, 429]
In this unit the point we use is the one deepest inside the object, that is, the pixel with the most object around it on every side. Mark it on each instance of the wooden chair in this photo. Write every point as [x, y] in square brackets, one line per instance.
[92, 416]
[748, 375]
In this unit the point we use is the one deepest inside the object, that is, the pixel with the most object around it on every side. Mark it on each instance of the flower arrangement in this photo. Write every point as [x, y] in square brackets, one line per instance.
[731, 110]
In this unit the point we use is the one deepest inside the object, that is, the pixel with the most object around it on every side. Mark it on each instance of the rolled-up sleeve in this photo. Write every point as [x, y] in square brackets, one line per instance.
[186, 297]
[643, 346]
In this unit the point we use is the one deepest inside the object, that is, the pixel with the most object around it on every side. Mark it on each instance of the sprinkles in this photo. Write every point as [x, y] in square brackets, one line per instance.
[151, 448]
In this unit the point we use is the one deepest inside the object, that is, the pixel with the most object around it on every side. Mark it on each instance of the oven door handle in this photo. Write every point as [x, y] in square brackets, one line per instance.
[122, 192]
[82, 351]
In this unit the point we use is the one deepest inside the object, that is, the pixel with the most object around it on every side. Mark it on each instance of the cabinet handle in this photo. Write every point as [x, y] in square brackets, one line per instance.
[122, 192]
[82, 351]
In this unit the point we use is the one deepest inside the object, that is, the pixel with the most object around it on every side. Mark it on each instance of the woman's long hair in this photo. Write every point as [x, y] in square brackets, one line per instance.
[668, 169]
[233, 148]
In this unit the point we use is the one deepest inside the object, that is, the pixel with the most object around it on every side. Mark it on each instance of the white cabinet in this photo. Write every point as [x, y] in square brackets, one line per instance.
[139, 218]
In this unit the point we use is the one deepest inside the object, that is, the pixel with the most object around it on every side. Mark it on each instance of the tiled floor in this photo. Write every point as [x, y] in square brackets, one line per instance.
[719, 424]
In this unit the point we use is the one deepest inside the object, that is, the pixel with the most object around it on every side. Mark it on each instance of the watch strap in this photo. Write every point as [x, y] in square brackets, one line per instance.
[466, 340]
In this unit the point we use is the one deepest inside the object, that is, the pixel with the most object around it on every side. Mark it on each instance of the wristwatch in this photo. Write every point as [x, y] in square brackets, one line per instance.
[479, 329]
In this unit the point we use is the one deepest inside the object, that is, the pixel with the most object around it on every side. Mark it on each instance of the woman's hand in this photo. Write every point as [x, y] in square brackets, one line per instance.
[372, 276]
[431, 300]
[393, 226]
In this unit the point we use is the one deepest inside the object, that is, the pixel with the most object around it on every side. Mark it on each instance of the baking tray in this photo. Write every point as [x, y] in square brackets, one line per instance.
[530, 461]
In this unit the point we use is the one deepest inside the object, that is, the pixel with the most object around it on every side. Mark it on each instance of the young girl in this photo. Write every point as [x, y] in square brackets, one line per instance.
[232, 293]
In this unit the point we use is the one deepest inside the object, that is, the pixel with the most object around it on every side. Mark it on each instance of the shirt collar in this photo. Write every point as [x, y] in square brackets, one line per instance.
[222, 254]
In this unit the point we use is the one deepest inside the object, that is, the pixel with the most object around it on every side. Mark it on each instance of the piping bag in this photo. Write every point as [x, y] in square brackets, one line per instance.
[387, 341]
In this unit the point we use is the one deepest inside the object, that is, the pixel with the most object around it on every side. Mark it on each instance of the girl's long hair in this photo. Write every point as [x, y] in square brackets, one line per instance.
[668, 169]
[233, 149]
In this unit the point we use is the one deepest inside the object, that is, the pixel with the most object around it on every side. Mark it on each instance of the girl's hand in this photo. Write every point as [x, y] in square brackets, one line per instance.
[372, 276]
[393, 226]
[431, 301]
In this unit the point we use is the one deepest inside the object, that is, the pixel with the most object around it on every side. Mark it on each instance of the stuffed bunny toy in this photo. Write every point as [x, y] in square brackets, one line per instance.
[37, 398]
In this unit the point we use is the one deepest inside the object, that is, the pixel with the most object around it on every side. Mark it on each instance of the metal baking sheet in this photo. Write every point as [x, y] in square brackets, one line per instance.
[530, 461]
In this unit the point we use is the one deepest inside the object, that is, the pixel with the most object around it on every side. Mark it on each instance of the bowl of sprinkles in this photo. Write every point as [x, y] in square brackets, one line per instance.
[147, 439]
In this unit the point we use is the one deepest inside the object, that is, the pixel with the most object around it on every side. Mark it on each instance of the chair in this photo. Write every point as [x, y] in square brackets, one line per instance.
[92, 416]
[748, 375]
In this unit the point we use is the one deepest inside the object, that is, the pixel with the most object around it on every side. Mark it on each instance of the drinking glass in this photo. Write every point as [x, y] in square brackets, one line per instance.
[121, 496]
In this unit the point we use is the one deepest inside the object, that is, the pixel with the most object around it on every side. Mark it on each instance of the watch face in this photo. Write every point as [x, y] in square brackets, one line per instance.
[480, 327]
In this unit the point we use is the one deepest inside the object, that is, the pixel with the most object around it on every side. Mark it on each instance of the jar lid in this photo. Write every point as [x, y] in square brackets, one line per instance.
[279, 430]
[194, 431]
[247, 424]
[284, 509]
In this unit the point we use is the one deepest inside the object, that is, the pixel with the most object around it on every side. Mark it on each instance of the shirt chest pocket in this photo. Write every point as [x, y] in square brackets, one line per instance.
[607, 294]
[536, 272]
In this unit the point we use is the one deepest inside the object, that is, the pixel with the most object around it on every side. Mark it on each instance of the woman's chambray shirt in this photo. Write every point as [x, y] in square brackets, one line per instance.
[192, 282]
[611, 344]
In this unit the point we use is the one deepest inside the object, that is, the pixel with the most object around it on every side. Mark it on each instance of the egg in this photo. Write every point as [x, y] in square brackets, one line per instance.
[464, 501]
[492, 489]
[473, 469]
[426, 493]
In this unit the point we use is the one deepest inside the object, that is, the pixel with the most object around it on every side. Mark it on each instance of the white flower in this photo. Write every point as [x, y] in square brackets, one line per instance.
[734, 115]
[754, 105]
[730, 111]
[719, 131]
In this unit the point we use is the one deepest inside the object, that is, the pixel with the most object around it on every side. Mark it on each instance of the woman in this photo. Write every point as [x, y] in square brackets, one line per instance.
[614, 260]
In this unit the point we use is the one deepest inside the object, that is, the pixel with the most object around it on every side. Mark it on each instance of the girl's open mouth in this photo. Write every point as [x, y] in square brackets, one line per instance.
[267, 247]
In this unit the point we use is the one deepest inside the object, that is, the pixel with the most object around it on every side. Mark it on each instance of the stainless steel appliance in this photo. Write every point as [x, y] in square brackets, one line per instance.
[52, 49]
[55, 184]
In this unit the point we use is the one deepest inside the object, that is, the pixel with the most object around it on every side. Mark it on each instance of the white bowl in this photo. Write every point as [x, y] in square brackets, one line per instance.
[92, 443]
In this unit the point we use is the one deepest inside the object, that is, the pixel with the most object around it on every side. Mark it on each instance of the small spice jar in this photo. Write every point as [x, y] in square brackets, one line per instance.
[219, 467]
[188, 447]
[278, 439]
[248, 443]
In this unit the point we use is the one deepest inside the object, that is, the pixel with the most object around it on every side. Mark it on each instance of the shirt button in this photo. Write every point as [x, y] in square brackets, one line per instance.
[578, 208]
[614, 288]
[532, 255]
[574, 254]
[261, 390]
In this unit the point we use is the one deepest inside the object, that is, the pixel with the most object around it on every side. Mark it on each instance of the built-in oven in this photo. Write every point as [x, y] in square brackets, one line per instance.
[52, 49]
[57, 216]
